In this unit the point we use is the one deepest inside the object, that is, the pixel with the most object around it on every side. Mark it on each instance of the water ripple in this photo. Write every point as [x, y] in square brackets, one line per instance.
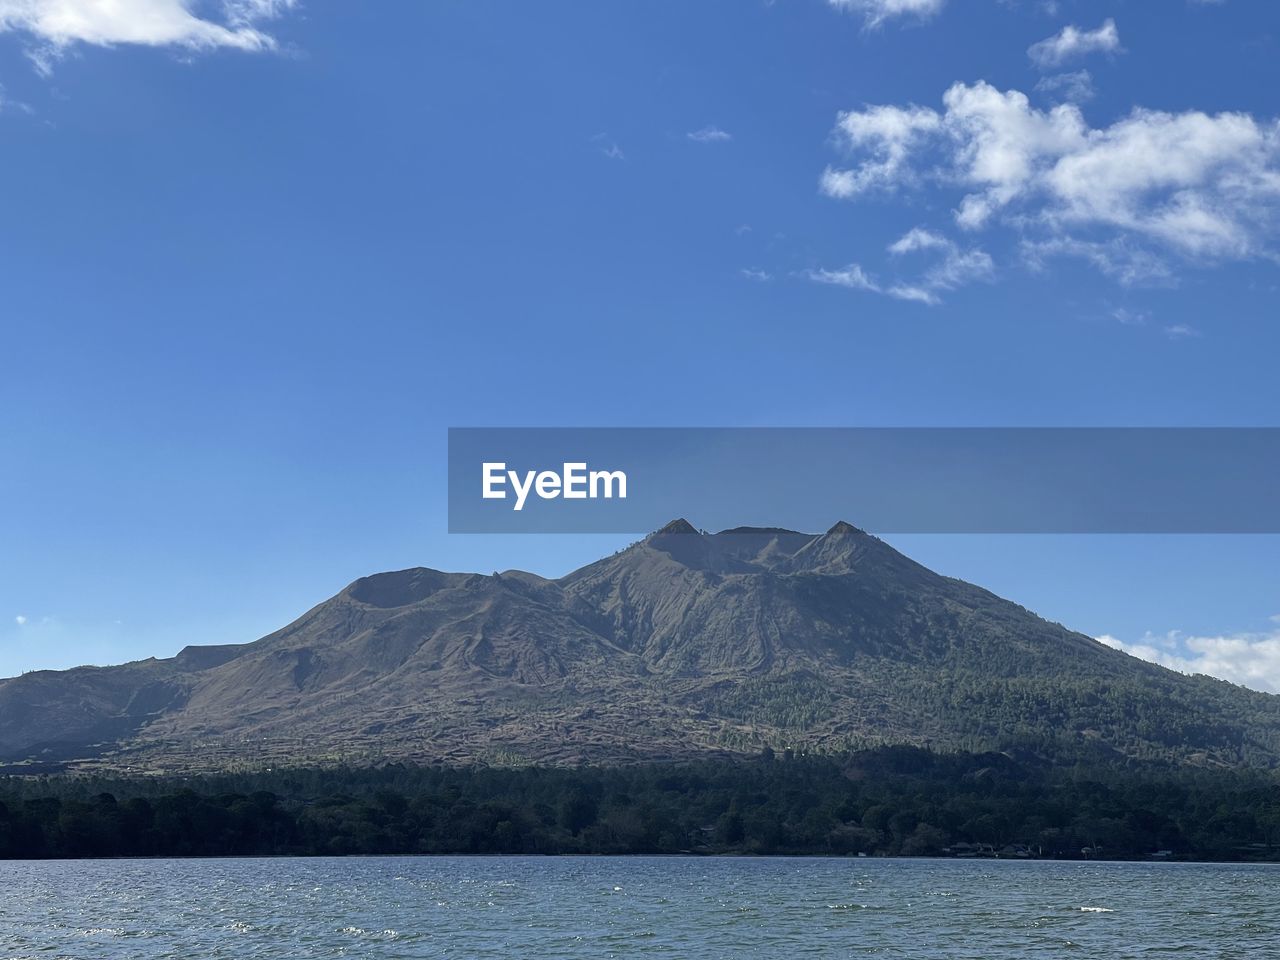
[670, 907]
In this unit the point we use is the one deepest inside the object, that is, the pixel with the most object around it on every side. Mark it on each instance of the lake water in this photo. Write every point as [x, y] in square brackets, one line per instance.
[681, 907]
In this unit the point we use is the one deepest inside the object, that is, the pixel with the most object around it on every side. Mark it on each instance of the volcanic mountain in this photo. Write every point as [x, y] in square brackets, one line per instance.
[684, 645]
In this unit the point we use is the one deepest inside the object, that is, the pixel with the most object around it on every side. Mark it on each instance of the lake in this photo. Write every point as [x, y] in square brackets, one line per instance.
[685, 907]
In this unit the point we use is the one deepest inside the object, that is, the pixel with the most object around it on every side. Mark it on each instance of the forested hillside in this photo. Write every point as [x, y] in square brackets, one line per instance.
[891, 801]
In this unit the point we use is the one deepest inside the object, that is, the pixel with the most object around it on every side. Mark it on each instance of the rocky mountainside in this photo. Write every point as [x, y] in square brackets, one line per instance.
[685, 644]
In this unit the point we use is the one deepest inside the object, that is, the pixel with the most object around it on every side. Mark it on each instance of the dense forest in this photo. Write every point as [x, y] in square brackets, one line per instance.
[891, 801]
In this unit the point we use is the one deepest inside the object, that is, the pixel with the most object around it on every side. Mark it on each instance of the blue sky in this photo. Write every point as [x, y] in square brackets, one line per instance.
[259, 255]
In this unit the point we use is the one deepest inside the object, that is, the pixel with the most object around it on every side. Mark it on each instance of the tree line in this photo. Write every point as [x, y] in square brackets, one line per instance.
[889, 801]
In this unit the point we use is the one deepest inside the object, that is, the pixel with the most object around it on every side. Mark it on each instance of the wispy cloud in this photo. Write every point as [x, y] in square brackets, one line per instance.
[755, 273]
[8, 104]
[915, 292]
[852, 277]
[1119, 258]
[1205, 187]
[1133, 317]
[1073, 42]
[918, 238]
[951, 267]
[876, 12]
[1130, 318]
[954, 268]
[608, 147]
[1074, 87]
[54, 26]
[20, 620]
[709, 135]
[1249, 659]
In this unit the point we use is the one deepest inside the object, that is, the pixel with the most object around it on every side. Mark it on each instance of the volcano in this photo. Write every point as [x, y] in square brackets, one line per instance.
[684, 645]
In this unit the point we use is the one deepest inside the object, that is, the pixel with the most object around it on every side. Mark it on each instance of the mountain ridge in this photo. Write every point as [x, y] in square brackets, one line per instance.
[683, 645]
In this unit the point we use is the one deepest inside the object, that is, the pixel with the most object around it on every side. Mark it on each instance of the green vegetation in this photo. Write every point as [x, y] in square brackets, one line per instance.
[887, 801]
[680, 648]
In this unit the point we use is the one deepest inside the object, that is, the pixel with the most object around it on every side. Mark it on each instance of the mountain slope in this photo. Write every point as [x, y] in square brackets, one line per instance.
[683, 645]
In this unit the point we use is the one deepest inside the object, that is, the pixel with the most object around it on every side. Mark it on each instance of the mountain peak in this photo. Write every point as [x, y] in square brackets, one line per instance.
[843, 527]
[653, 652]
[680, 525]
[400, 588]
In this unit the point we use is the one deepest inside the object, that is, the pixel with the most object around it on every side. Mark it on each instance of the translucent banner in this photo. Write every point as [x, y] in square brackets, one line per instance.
[886, 480]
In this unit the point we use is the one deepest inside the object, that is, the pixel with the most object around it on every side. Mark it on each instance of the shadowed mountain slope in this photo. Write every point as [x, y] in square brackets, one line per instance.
[685, 644]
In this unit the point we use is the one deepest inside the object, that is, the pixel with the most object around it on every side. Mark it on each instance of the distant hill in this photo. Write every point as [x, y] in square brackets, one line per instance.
[684, 645]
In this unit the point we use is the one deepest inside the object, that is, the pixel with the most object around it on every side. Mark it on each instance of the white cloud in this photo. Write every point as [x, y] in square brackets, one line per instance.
[1141, 318]
[709, 135]
[1117, 258]
[999, 141]
[954, 268]
[918, 238]
[1075, 87]
[20, 620]
[960, 267]
[1073, 42]
[1249, 659]
[1191, 180]
[853, 277]
[875, 12]
[755, 273]
[1203, 186]
[6, 104]
[913, 291]
[56, 25]
[889, 135]
[608, 147]
[251, 11]
[1130, 318]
